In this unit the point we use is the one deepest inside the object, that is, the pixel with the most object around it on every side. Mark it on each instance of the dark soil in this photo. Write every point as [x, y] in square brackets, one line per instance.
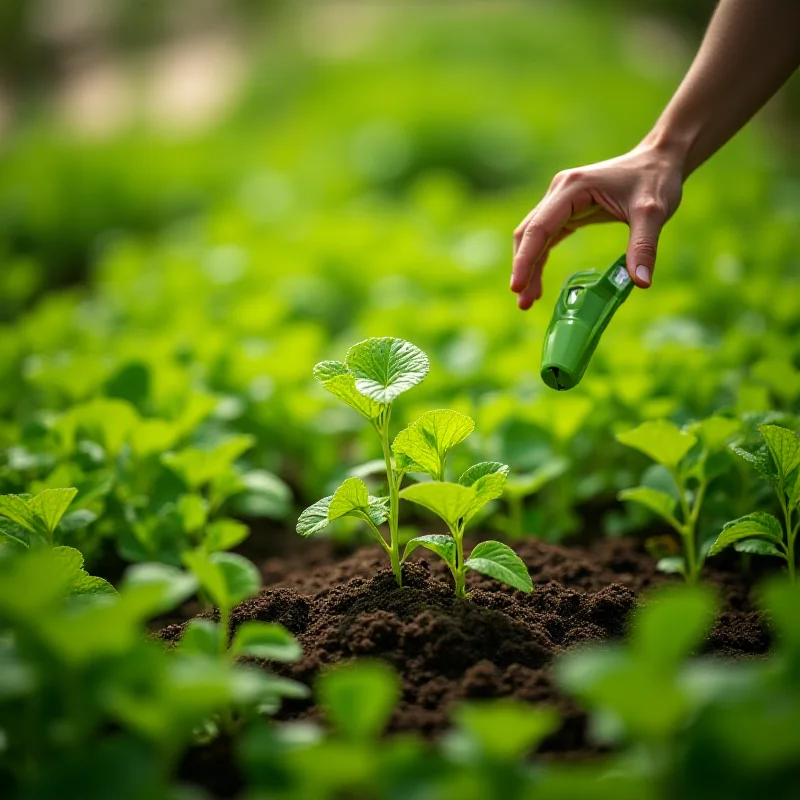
[500, 643]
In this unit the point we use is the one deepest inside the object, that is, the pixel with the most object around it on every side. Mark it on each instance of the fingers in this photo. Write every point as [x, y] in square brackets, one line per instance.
[647, 220]
[544, 223]
[533, 291]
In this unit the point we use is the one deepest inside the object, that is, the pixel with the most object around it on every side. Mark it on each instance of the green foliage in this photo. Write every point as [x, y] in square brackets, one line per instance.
[380, 370]
[693, 459]
[359, 698]
[760, 533]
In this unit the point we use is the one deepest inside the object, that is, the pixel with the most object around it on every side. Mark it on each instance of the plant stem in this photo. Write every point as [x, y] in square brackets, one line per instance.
[394, 500]
[790, 534]
[460, 573]
[688, 528]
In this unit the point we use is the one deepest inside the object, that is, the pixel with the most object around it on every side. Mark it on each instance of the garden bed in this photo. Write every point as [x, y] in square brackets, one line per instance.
[500, 643]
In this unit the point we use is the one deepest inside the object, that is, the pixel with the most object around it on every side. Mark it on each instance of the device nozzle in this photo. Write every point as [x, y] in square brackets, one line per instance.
[557, 382]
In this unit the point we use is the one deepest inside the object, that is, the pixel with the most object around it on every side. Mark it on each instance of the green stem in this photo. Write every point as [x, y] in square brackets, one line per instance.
[687, 529]
[790, 534]
[382, 428]
[460, 573]
[378, 534]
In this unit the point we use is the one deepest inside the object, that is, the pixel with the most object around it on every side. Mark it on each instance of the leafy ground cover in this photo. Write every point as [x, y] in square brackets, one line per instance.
[160, 428]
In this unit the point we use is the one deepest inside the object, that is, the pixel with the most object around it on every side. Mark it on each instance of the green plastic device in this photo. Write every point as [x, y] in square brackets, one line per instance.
[585, 306]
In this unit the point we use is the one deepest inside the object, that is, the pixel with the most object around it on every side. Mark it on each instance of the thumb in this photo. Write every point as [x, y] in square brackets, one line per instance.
[646, 224]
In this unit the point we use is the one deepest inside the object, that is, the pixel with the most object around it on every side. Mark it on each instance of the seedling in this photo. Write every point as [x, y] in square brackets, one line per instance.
[778, 460]
[31, 522]
[374, 373]
[689, 470]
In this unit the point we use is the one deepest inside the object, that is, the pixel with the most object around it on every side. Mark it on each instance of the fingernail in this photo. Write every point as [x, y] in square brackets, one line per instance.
[643, 274]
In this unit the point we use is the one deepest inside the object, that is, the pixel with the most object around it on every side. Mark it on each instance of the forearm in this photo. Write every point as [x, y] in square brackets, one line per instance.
[750, 49]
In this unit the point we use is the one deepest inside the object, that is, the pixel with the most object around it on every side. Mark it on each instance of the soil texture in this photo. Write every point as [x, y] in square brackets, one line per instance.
[499, 643]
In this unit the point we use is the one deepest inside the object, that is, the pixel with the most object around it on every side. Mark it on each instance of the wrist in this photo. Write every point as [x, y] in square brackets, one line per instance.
[672, 147]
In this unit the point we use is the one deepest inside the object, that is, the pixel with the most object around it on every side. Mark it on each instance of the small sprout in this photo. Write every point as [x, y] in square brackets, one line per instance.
[760, 533]
[374, 373]
[688, 460]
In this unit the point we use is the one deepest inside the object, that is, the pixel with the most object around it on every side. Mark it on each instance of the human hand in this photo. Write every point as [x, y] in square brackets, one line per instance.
[642, 187]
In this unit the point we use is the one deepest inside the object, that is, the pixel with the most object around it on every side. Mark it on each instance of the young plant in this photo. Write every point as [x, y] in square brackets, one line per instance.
[373, 374]
[31, 522]
[686, 473]
[778, 460]
[456, 504]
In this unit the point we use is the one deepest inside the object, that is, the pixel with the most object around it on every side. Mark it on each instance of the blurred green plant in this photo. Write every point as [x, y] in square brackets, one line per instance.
[777, 460]
[691, 459]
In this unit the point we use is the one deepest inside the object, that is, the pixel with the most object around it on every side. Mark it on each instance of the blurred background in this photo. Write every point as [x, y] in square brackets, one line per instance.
[205, 197]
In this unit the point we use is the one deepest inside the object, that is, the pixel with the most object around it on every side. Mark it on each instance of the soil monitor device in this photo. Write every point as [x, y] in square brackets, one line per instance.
[585, 306]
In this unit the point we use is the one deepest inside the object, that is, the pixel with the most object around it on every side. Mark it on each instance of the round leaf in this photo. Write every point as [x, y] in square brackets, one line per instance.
[384, 368]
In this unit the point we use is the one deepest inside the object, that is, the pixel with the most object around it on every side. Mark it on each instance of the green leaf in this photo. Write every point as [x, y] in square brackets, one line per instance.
[51, 505]
[759, 547]
[428, 441]
[69, 559]
[351, 496]
[157, 588]
[227, 577]
[198, 467]
[225, 534]
[264, 495]
[761, 460]
[86, 584]
[384, 368]
[343, 387]
[317, 516]
[450, 501]
[758, 525]
[672, 565]
[17, 510]
[444, 546]
[660, 440]
[716, 431]
[499, 561]
[784, 446]
[403, 464]
[15, 534]
[314, 518]
[660, 502]
[193, 512]
[359, 698]
[202, 636]
[326, 370]
[266, 640]
[505, 730]
[522, 485]
[488, 479]
[242, 578]
[671, 624]
[153, 436]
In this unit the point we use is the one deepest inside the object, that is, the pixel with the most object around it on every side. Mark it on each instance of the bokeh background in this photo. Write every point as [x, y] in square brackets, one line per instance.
[201, 199]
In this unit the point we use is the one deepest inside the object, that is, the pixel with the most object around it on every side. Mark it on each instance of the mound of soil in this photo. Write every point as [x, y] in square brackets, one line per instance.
[499, 643]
